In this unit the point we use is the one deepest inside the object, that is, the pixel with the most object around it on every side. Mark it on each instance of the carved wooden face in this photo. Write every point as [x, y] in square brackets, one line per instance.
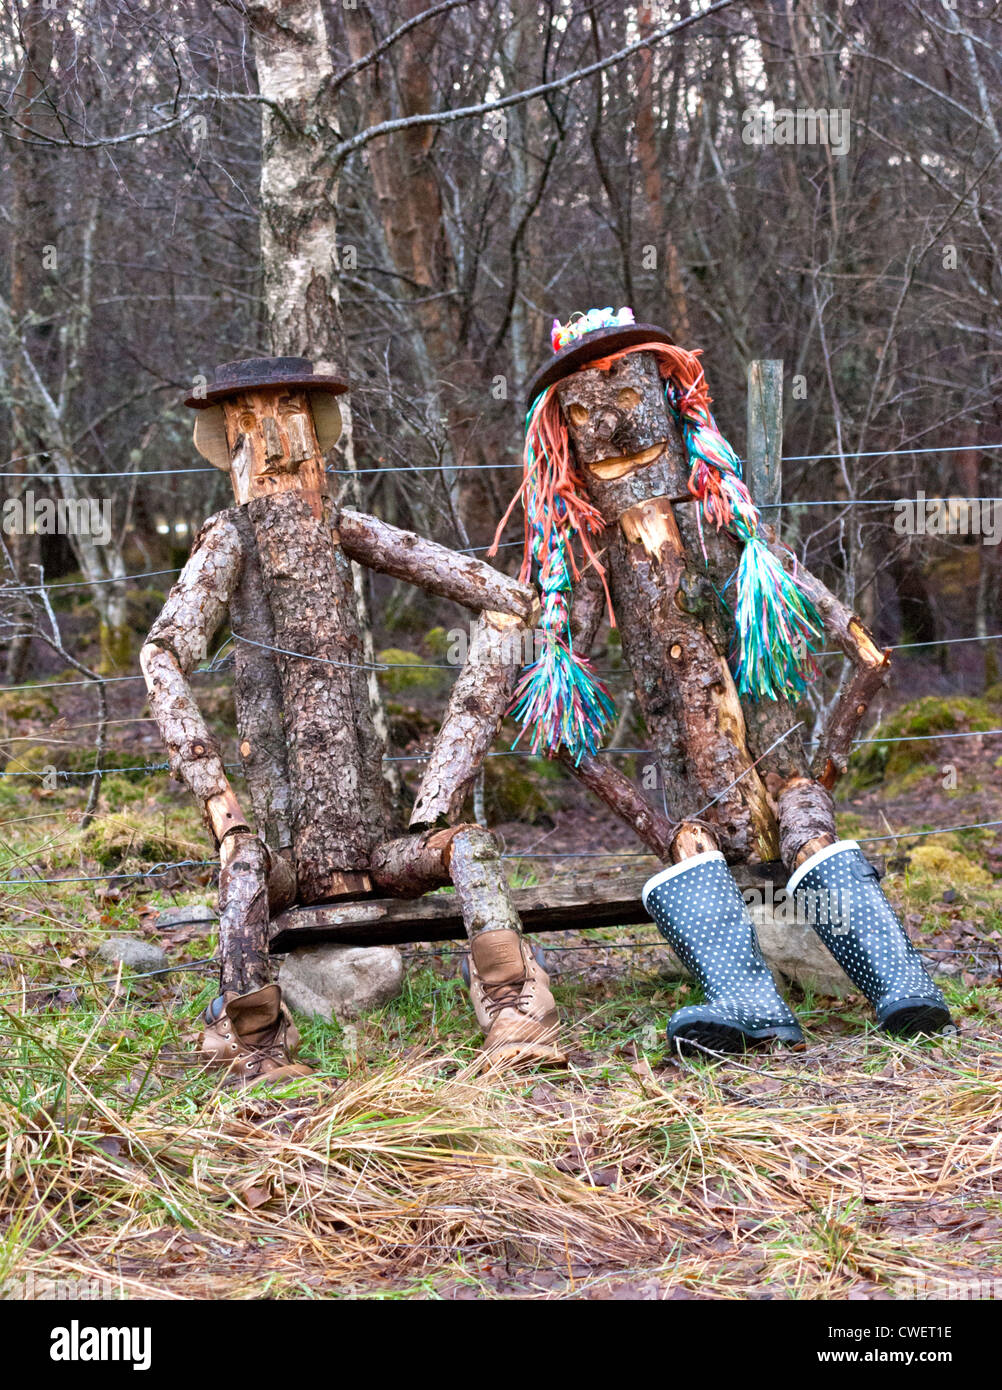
[617, 419]
[270, 439]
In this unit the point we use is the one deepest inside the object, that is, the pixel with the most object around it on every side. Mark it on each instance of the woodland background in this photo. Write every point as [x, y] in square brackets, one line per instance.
[151, 228]
[369, 184]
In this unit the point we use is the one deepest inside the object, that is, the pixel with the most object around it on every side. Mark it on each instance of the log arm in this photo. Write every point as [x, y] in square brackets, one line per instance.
[871, 667]
[433, 567]
[617, 791]
[179, 639]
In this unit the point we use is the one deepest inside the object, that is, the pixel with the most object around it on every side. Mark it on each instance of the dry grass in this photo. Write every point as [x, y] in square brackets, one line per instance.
[846, 1170]
[798, 1173]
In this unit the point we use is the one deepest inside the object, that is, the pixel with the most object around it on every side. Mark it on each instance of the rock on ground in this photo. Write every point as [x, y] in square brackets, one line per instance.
[341, 981]
[795, 953]
[182, 916]
[137, 957]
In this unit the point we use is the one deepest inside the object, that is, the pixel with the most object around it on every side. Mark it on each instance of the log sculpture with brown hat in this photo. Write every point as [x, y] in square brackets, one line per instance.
[278, 564]
[631, 493]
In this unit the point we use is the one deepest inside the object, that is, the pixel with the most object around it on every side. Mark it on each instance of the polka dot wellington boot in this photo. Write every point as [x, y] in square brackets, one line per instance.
[699, 911]
[838, 893]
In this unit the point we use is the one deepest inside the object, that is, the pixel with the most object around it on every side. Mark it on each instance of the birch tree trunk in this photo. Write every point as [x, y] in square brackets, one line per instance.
[299, 234]
[28, 220]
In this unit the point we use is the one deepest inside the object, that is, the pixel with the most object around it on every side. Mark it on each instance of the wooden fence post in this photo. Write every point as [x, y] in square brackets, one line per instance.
[764, 467]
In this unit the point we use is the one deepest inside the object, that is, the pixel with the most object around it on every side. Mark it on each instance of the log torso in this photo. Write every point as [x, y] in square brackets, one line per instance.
[674, 630]
[338, 809]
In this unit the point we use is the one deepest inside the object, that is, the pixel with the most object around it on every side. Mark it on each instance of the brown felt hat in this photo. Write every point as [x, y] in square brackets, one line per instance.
[252, 373]
[599, 343]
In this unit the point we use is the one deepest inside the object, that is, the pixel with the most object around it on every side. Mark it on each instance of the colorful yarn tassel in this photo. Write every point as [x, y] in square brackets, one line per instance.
[558, 695]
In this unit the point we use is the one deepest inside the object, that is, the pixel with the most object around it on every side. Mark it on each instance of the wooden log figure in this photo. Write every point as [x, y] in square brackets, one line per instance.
[277, 563]
[632, 496]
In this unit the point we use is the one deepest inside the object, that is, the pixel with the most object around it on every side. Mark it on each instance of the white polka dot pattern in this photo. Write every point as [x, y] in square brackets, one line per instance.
[843, 901]
[700, 913]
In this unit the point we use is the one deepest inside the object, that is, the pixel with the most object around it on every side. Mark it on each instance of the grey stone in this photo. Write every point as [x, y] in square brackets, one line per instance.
[796, 954]
[341, 981]
[137, 957]
[182, 916]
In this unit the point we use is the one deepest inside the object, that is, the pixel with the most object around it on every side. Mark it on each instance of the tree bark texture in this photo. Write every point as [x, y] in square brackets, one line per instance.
[258, 693]
[414, 864]
[178, 640]
[299, 214]
[434, 568]
[806, 820]
[337, 803]
[244, 915]
[298, 184]
[31, 227]
[467, 855]
[587, 609]
[481, 886]
[477, 705]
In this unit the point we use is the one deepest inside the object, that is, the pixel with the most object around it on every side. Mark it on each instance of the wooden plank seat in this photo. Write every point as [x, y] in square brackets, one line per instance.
[611, 900]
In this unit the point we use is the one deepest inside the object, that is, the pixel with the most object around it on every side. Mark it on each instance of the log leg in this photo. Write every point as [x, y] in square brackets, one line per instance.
[467, 856]
[509, 988]
[806, 820]
[480, 697]
[414, 864]
[692, 838]
[243, 915]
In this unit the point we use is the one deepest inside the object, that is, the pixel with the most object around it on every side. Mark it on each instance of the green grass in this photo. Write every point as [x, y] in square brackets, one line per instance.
[395, 1173]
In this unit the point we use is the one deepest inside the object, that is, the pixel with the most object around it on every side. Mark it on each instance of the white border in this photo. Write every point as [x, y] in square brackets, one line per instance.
[679, 868]
[816, 859]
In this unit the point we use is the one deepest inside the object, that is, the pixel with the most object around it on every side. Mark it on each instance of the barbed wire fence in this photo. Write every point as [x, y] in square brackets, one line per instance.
[220, 664]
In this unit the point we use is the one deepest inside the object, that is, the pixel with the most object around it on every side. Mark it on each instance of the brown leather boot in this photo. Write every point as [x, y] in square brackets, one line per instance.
[513, 1002]
[253, 1036]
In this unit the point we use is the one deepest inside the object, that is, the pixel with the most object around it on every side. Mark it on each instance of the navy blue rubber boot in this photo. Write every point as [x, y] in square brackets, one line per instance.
[838, 893]
[698, 909]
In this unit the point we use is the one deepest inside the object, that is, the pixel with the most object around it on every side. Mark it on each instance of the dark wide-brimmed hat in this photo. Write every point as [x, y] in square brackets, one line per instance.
[601, 342]
[252, 373]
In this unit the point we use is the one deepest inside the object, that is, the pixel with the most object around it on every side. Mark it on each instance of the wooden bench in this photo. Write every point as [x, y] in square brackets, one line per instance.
[611, 900]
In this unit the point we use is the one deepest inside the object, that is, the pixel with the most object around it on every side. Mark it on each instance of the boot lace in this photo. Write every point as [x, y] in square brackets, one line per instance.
[273, 1049]
[507, 995]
